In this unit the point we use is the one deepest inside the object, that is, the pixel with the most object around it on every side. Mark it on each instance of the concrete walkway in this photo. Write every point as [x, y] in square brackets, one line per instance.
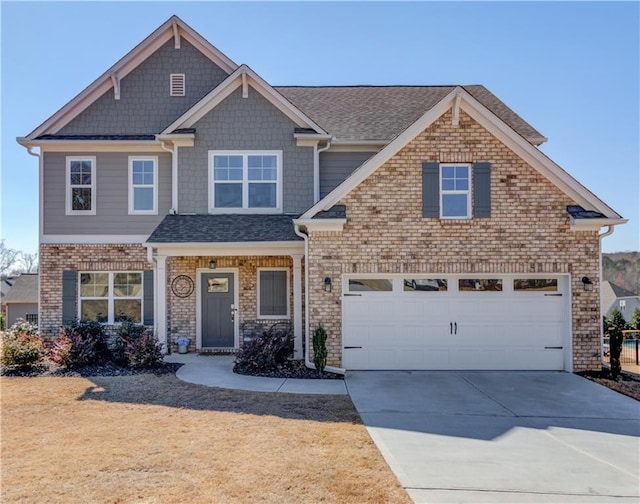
[216, 371]
[502, 437]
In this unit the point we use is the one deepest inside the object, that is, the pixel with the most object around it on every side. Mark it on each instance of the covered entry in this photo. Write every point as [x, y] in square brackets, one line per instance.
[426, 321]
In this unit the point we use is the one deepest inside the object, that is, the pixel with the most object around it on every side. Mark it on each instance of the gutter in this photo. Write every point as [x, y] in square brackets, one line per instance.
[307, 360]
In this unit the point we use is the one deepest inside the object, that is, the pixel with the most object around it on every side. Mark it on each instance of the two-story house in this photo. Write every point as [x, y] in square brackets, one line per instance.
[420, 225]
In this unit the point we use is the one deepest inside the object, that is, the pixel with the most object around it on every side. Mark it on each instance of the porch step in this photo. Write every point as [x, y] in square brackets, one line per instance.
[217, 351]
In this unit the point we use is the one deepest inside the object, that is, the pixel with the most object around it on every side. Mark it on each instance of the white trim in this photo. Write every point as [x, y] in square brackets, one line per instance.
[325, 225]
[316, 174]
[487, 119]
[355, 147]
[245, 182]
[176, 35]
[593, 224]
[79, 239]
[228, 86]
[160, 298]
[115, 81]
[245, 86]
[177, 84]
[68, 189]
[288, 303]
[95, 145]
[442, 191]
[131, 186]
[297, 306]
[111, 297]
[127, 64]
[456, 110]
[229, 249]
[236, 302]
[41, 197]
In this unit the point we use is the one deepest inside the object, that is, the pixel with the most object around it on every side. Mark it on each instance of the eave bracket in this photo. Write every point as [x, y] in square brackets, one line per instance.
[456, 110]
[115, 80]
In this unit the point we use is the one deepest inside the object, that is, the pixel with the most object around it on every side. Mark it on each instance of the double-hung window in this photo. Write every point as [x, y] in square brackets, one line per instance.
[110, 297]
[455, 194]
[245, 181]
[81, 185]
[143, 185]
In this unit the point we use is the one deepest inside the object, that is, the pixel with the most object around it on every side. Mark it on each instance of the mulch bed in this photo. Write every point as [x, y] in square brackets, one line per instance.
[49, 368]
[627, 383]
[291, 369]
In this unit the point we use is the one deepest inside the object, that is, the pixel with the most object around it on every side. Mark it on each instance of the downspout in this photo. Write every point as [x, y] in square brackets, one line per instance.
[608, 232]
[174, 176]
[316, 170]
[40, 210]
[307, 360]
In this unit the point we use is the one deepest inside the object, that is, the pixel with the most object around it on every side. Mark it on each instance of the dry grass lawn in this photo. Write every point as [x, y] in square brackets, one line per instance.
[155, 439]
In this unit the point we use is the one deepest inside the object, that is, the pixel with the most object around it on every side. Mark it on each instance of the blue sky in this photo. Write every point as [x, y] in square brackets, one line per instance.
[570, 69]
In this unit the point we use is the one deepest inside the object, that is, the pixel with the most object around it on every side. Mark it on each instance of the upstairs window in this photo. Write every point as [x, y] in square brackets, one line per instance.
[143, 185]
[248, 181]
[80, 186]
[176, 85]
[455, 196]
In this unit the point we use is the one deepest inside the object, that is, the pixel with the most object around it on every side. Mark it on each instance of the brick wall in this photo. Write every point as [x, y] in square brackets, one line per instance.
[54, 259]
[528, 232]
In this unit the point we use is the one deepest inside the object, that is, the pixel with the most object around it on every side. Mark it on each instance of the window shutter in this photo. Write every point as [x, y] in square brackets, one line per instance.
[273, 293]
[430, 189]
[147, 285]
[481, 190]
[69, 295]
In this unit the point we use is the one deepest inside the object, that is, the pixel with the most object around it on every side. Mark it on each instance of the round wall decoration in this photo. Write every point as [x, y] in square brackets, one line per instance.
[182, 286]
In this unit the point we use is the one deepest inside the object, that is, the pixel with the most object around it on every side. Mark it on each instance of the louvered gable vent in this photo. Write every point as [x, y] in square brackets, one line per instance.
[177, 85]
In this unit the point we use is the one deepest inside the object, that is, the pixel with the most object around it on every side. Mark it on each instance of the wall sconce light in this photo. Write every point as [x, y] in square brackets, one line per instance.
[587, 283]
[213, 264]
[327, 284]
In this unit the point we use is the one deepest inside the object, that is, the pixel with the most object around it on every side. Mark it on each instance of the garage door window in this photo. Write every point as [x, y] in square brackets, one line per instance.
[370, 285]
[535, 284]
[480, 285]
[425, 284]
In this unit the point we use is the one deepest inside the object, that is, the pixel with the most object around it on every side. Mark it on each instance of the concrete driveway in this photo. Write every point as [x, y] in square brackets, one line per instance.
[502, 436]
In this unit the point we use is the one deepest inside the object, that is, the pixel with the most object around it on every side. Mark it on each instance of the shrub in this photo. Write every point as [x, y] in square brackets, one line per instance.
[144, 351]
[320, 348]
[635, 320]
[22, 346]
[267, 350]
[2, 322]
[80, 343]
[617, 324]
[127, 333]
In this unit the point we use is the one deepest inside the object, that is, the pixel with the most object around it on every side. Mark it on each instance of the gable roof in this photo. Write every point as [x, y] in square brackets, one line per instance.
[380, 113]
[24, 289]
[242, 76]
[175, 28]
[621, 292]
[460, 97]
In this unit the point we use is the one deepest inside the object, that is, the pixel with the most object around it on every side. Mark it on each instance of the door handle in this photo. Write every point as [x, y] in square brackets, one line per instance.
[233, 313]
[450, 327]
[455, 328]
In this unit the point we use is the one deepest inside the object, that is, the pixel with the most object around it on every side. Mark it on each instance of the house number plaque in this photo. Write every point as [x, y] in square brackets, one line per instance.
[182, 286]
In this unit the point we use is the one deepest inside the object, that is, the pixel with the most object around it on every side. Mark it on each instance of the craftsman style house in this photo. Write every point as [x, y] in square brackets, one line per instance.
[420, 225]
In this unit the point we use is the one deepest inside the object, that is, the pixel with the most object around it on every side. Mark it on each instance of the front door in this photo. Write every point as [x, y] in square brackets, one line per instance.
[218, 310]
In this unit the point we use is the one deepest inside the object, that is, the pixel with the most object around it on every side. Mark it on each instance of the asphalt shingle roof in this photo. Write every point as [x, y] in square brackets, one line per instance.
[224, 229]
[356, 113]
[24, 289]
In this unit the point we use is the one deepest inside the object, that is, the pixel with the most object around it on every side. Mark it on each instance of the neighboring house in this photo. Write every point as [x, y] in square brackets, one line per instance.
[420, 225]
[615, 297]
[22, 299]
[5, 284]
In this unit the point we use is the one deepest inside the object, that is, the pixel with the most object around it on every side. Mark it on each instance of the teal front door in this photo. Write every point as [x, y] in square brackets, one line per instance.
[218, 310]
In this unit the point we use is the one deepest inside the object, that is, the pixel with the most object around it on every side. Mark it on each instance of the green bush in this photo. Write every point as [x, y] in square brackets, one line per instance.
[144, 351]
[2, 322]
[267, 350]
[128, 332]
[635, 320]
[617, 324]
[22, 346]
[320, 348]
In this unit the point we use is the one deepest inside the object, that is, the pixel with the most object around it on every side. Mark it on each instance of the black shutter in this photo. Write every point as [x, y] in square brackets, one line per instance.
[69, 295]
[430, 189]
[481, 190]
[147, 284]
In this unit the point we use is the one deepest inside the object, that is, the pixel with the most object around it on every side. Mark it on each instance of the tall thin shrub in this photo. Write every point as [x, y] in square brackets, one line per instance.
[617, 324]
[320, 348]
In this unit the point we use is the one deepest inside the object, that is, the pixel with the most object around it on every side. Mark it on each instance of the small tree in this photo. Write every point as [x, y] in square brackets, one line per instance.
[617, 324]
[635, 320]
[320, 348]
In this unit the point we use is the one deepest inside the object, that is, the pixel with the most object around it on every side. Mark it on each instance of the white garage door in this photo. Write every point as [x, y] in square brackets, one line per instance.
[467, 322]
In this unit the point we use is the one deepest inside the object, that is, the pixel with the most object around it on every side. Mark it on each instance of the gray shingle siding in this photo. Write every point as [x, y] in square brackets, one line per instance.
[250, 123]
[112, 193]
[145, 105]
[337, 166]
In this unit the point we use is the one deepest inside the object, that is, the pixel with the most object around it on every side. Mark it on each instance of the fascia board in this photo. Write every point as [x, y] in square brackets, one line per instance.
[126, 65]
[534, 157]
[375, 162]
[98, 146]
[228, 248]
[321, 224]
[593, 224]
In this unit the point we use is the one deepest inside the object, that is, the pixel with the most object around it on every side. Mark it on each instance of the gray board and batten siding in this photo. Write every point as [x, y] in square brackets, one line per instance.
[145, 105]
[112, 196]
[250, 123]
[335, 167]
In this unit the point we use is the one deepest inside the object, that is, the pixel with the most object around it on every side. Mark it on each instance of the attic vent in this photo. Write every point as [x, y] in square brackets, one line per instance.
[177, 85]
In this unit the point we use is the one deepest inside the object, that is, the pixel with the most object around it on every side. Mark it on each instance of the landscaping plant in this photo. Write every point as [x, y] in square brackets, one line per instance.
[128, 332]
[320, 348]
[617, 324]
[80, 343]
[635, 320]
[22, 346]
[144, 351]
[267, 350]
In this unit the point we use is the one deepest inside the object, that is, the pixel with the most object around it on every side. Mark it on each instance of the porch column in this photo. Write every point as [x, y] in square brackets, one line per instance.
[297, 305]
[161, 300]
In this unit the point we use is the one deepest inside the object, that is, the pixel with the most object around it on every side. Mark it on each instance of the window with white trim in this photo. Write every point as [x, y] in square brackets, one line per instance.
[273, 293]
[455, 193]
[110, 297]
[81, 185]
[143, 185]
[177, 84]
[245, 181]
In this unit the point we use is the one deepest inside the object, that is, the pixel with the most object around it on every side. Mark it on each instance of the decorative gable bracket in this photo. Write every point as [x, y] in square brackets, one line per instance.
[456, 109]
[115, 80]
